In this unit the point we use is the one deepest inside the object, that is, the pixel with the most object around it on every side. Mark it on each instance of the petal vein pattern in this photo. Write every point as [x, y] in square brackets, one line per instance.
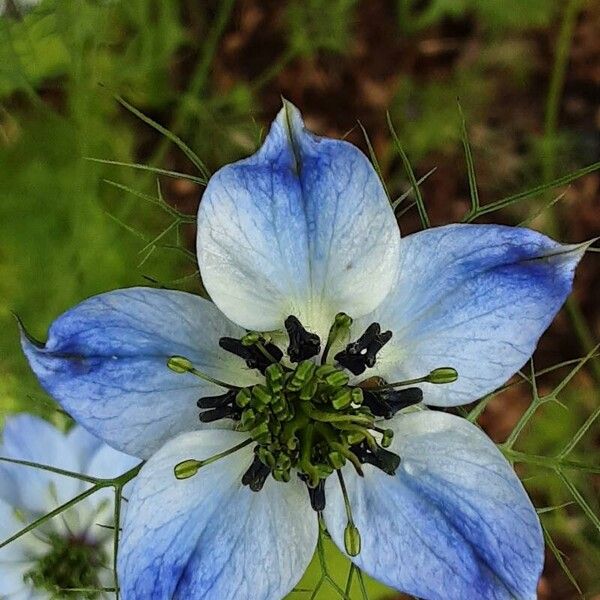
[302, 227]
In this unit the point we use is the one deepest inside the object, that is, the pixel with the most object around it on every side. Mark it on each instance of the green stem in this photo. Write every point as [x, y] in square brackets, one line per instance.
[57, 511]
[116, 535]
[72, 474]
[548, 462]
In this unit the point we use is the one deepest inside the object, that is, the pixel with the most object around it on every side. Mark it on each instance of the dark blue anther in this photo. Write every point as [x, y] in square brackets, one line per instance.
[316, 494]
[303, 344]
[254, 358]
[256, 475]
[387, 403]
[362, 354]
[222, 412]
[217, 401]
[383, 459]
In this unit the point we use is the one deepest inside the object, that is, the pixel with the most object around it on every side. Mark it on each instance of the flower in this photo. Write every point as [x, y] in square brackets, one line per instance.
[325, 327]
[75, 549]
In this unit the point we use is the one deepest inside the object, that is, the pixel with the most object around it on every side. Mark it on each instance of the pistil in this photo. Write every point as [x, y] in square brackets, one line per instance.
[308, 418]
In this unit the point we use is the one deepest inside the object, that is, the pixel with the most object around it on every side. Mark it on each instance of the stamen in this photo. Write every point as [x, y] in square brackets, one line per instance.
[303, 344]
[438, 376]
[387, 403]
[351, 533]
[387, 436]
[221, 412]
[254, 338]
[383, 459]
[180, 365]
[216, 401]
[362, 354]
[254, 358]
[317, 496]
[256, 475]
[188, 468]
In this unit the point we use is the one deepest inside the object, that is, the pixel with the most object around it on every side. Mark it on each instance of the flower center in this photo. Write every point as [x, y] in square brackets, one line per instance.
[306, 417]
[71, 563]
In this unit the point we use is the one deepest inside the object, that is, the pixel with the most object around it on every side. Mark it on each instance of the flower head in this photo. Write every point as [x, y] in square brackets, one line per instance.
[73, 550]
[287, 396]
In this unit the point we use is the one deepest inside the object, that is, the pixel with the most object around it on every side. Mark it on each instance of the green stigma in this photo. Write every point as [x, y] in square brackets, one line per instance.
[71, 563]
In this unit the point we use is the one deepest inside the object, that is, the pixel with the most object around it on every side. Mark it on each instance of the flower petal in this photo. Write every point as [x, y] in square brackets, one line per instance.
[302, 227]
[26, 437]
[454, 522]
[14, 562]
[105, 362]
[473, 297]
[208, 536]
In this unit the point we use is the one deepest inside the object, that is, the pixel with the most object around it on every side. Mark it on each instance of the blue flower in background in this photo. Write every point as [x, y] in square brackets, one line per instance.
[75, 549]
[326, 327]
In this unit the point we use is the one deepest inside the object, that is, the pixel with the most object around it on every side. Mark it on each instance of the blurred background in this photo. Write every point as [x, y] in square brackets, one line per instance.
[74, 73]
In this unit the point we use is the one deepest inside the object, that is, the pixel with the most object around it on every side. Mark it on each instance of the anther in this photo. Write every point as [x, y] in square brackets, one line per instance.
[217, 401]
[439, 376]
[303, 344]
[362, 354]
[256, 475]
[254, 358]
[383, 459]
[387, 403]
[188, 468]
[317, 496]
[221, 412]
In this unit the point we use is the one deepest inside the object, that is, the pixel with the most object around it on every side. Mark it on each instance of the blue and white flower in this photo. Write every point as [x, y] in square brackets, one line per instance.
[325, 327]
[75, 548]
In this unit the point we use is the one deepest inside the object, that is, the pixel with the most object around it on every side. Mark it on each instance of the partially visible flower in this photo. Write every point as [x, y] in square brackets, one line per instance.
[325, 326]
[73, 549]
